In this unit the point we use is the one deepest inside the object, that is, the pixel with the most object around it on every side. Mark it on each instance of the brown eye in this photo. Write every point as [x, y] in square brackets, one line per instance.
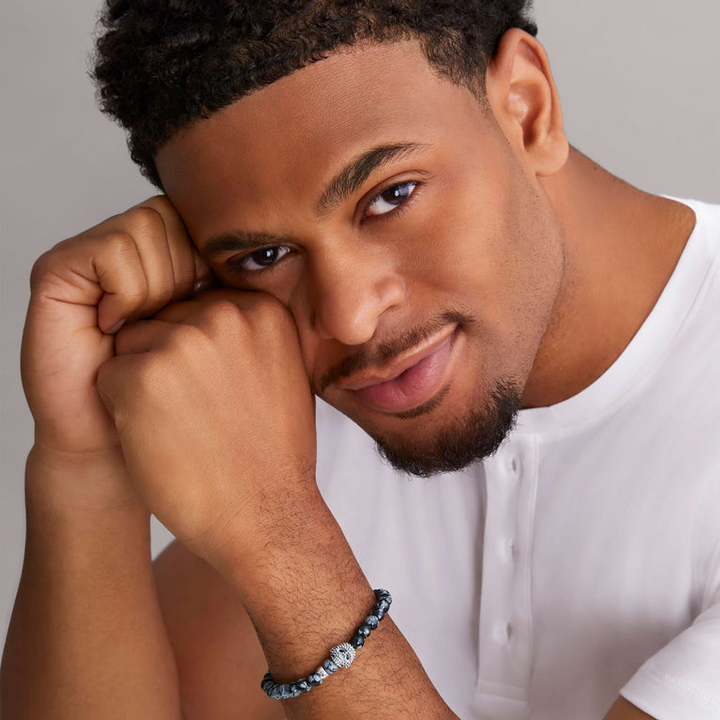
[259, 260]
[389, 199]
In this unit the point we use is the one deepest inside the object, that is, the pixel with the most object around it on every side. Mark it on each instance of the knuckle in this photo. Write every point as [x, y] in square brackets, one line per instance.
[186, 335]
[145, 220]
[150, 376]
[271, 310]
[122, 256]
[159, 203]
[121, 244]
[48, 264]
[223, 313]
[40, 268]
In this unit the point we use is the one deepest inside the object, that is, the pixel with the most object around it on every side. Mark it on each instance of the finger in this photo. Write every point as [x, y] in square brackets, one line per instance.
[188, 266]
[147, 225]
[244, 299]
[206, 279]
[260, 306]
[138, 233]
[103, 269]
[142, 336]
[188, 311]
[111, 383]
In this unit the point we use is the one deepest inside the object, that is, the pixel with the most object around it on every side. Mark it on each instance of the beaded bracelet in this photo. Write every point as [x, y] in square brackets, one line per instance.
[340, 656]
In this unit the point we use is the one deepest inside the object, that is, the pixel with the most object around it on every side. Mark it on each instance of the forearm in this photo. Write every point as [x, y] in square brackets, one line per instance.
[86, 638]
[305, 593]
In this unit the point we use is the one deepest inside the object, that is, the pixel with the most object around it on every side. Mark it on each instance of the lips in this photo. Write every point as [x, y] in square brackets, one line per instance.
[410, 381]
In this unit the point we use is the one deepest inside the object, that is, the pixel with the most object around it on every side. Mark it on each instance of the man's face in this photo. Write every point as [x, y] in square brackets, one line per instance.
[422, 285]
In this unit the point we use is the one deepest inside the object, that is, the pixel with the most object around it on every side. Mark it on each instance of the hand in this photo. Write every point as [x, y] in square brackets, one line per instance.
[128, 266]
[216, 417]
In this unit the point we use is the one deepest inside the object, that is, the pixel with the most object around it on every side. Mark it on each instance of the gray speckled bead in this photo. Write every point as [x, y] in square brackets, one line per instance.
[303, 685]
[343, 655]
[357, 642]
[279, 692]
[371, 621]
[330, 666]
[363, 631]
[314, 679]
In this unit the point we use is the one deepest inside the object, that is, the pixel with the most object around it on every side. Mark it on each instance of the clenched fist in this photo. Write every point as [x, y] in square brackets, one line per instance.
[127, 267]
[215, 416]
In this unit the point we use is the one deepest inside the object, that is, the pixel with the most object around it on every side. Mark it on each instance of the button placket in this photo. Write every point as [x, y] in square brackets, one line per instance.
[505, 625]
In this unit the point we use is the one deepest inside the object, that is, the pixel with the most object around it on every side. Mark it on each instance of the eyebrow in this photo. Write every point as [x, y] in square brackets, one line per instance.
[342, 186]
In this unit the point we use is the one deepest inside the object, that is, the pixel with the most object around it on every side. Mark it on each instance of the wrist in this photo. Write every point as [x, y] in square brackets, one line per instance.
[288, 527]
[60, 482]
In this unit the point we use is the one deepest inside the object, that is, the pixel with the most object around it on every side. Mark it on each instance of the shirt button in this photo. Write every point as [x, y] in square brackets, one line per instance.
[508, 550]
[503, 633]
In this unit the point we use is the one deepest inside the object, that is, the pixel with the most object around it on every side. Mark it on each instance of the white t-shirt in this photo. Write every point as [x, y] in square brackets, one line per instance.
[583, 559]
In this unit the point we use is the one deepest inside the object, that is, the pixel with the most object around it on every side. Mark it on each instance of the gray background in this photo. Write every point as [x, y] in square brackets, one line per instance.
[638, 82]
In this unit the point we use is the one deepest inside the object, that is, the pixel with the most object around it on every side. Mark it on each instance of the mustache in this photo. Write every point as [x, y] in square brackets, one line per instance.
[379, 355]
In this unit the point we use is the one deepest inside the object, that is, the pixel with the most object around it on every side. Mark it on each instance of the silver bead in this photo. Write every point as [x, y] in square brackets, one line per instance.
[343, 655]
[321, 672]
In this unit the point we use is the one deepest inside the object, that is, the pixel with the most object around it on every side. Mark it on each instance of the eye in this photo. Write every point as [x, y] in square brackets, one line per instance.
[259, 260]
[390, 198]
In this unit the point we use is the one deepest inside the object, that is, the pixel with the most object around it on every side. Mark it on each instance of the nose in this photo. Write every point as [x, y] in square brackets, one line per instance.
[352, 293]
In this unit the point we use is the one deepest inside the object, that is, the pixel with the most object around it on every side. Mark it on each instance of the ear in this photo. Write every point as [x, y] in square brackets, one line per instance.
[523, 97]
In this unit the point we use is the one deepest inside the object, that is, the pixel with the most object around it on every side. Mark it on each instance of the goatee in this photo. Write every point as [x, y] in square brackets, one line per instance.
[476, 436]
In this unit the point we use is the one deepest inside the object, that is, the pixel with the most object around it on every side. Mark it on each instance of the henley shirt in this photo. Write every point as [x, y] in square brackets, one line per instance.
[582, 560]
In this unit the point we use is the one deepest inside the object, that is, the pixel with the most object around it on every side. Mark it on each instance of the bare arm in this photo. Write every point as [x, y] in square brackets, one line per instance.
[624, 710]
[219, 658]
[86, 638]
[305, 593]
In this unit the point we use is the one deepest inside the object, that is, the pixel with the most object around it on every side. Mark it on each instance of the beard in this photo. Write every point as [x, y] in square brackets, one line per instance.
[476, 436]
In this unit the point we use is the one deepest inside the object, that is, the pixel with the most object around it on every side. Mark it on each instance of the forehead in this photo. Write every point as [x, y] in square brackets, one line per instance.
[276, 147]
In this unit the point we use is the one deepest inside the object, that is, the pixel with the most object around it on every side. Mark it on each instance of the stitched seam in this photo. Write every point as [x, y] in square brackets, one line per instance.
[684, 687]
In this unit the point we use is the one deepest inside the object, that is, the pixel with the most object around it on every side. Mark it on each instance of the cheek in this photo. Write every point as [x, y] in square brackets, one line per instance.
[494, 250]
[463, 248]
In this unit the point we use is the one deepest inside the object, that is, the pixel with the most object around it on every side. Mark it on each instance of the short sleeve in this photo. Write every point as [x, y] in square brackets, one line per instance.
[682, 680]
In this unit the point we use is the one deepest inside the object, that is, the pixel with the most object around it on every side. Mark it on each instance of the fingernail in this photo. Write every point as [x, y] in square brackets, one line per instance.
[200, 285]
[116, 327]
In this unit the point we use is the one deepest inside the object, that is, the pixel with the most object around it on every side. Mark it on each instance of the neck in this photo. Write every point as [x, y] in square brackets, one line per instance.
[621, 247]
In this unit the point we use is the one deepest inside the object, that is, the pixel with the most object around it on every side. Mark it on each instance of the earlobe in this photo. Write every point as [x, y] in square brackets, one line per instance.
[523, 97]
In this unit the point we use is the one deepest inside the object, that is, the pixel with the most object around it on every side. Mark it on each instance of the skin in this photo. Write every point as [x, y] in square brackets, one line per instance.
[553, 264]
[479, 238]
[508, 227]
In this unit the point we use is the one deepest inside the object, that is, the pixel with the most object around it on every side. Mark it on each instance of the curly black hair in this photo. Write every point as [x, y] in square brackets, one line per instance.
[160, 65]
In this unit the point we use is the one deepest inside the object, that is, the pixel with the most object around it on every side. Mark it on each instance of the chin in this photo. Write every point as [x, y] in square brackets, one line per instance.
[456, 444]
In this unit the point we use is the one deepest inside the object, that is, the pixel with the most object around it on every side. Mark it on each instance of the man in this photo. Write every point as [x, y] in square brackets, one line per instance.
[386, 195]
